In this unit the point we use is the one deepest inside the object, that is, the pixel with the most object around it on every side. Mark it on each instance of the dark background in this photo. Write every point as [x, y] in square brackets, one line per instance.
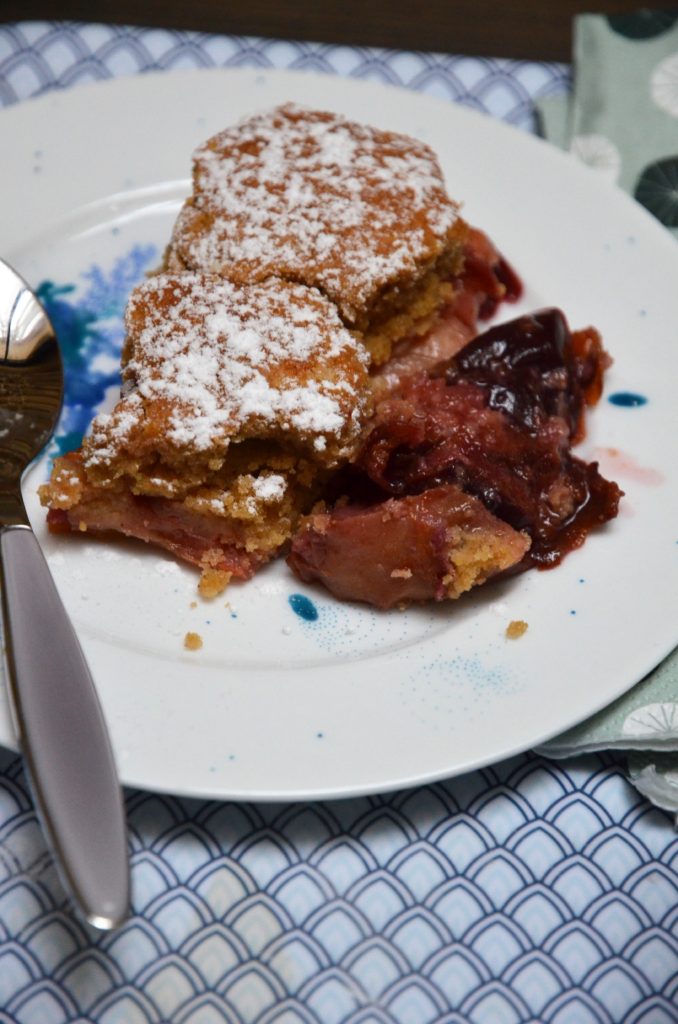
[539, 29]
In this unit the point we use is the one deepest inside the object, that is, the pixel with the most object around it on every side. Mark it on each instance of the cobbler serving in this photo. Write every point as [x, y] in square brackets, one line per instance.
[304, 374]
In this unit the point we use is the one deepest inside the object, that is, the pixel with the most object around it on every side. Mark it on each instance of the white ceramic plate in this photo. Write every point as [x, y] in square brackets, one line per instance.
[277, 707]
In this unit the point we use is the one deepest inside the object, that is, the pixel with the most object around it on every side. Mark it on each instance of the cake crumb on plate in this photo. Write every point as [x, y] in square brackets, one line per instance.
[213, 582]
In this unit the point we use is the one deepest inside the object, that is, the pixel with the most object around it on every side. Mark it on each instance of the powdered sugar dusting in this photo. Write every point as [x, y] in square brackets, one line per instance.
[312, 197]
[269, 487]
[212, 362]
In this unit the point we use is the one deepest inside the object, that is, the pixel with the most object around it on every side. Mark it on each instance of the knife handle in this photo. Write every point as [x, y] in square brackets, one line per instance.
[63, 735]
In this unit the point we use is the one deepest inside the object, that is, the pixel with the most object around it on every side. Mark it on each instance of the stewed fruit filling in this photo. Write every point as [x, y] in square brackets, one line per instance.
[495, 423]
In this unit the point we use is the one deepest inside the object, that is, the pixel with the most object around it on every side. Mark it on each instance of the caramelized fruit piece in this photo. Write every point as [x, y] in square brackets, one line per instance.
[434, 545]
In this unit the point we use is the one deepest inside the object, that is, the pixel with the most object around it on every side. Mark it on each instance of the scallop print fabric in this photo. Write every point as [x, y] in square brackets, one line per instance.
[622, 116]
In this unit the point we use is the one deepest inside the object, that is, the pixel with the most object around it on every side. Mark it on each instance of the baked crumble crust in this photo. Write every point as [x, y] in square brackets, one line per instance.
[209, 364]
[309, 196]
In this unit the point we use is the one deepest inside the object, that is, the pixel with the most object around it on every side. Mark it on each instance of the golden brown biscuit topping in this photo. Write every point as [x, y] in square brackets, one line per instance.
[312, 197]
[209, 363]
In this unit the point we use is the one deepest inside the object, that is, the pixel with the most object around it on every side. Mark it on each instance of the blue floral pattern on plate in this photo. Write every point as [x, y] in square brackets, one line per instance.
[90, 330]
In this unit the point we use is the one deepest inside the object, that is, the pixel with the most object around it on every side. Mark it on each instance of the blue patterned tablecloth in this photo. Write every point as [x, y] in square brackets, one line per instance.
[531, 891]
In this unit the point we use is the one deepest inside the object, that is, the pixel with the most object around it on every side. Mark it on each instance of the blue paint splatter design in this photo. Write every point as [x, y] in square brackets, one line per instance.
[90, 330]
[303, 607]
[438, 691]
[627, 399]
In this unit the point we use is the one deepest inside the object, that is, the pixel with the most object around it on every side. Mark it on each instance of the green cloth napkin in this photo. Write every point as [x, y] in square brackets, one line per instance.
[622, 119]
[622, 115]
[644, 722]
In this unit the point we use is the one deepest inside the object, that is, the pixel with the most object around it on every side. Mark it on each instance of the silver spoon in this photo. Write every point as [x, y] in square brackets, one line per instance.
[57, 716]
